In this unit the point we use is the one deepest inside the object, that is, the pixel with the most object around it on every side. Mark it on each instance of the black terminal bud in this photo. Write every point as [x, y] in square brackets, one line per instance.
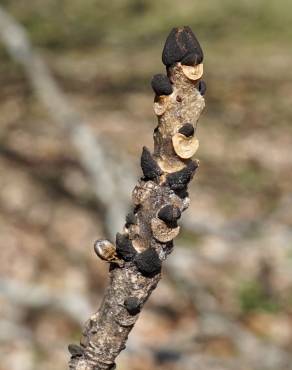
[148, 262]
[178, 181]
[124, 247]
[169, 214]
[191, 59]
[150, 168]
[202, 87]
[75, 350]
[187, 129]
[182, 46]
[161, 85]
[132, 305]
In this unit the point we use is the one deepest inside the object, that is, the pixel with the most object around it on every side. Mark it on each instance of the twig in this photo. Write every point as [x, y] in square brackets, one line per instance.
[158, 200]
[106, 170]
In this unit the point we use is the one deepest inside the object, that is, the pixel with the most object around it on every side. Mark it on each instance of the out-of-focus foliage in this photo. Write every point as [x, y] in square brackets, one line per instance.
[76, 23]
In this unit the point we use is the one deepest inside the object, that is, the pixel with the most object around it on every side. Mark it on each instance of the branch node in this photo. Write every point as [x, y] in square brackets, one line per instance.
[148, 262]
[162, 232]
[202, 87]
[169, 214]
[125, 249]
[161, 85]
[105, 250]
[187, 129]
[75, 350]
[179, 180]
[150, 168]
[132, 305]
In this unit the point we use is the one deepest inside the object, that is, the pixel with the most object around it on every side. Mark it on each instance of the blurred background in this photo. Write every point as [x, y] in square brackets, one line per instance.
[74, 115]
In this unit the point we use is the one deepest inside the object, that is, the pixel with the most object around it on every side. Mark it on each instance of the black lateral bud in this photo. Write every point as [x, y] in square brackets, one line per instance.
[187, 129]
[75, 350]
[161, 84]
[169, 214]
[178, 181]
[150, 168]
[168, 246]
[124, 247]
[131, 219]
[132, 305]
[182, 45]
[148, 262]
[202, 87]
[183, 193]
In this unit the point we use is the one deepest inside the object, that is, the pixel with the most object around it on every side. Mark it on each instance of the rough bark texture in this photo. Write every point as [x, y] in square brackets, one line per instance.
[158, 200]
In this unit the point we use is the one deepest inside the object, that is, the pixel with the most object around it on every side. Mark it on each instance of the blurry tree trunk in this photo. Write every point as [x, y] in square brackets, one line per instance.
[101, 167]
